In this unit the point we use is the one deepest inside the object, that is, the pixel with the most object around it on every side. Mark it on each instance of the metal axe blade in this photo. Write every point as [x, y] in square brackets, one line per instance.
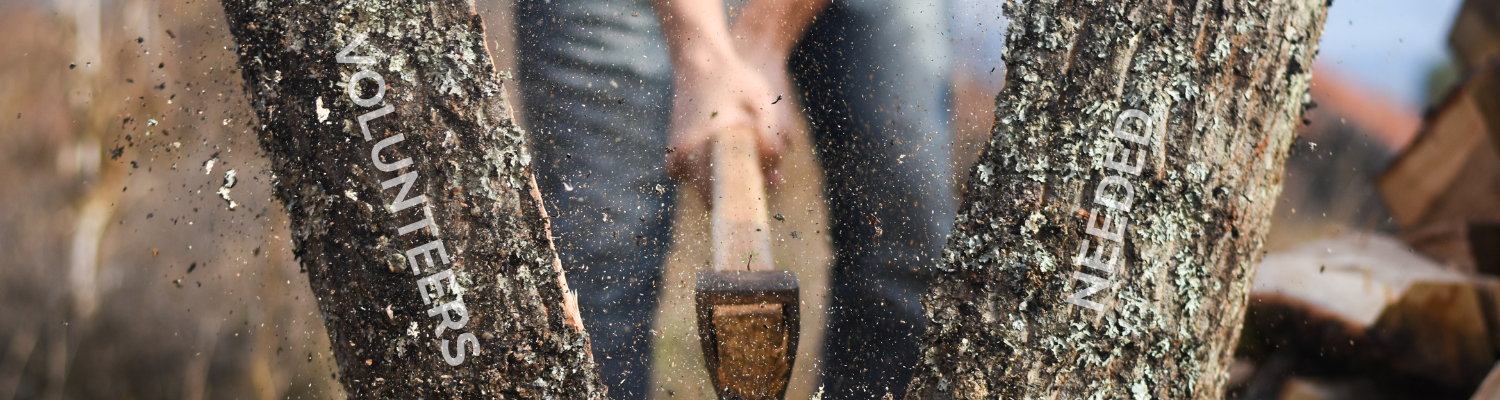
[748, 317]
[748, 324]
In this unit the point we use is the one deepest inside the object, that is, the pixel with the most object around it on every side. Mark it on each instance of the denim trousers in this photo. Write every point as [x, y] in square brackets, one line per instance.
[596, 89]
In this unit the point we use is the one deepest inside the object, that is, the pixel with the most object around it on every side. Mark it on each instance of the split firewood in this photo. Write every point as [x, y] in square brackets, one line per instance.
[1468, 245]
[1303, 389]
[1325, 297]
[1490, 388]
[1475, 37]
[1368, 305]
[1352, 278]
[1298, 388]
[1441, 332]
[1452, 170]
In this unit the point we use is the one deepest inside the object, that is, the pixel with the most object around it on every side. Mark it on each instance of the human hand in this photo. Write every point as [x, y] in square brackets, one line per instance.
[714, 94]
[785, 119]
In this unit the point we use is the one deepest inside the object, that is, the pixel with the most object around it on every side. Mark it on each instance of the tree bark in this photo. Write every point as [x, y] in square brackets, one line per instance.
[411, 200]
[1030, 303]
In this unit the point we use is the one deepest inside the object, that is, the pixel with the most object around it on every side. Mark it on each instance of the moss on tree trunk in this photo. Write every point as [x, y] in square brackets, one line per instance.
[377, 195]
[1210, 92]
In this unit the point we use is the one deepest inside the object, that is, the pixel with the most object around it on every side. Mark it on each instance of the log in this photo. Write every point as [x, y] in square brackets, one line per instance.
[1367, 306]
[1297, 388]
[1465, 244]
[1353, 277]
[1320, 303]
[1475, 37]
[411, 201]
[1452, 170]
[1111, 229]
[1439, 332]
[1444, 189]
[1490, 388]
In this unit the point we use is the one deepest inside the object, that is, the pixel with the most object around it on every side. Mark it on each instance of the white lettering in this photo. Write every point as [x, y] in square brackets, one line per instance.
[401, 202]
[459, 359]
[1120, 200]
[1096, 284]
[426, 250]
[435, 281]
[354, 86]
[1123, 165]
[1097, 261]
[447, 310]
[1101, 229]
[381, 145]
[1101, 196]
[364, 119]
[1145, 131]
[343, 56]
[423, 223]
[454, 314]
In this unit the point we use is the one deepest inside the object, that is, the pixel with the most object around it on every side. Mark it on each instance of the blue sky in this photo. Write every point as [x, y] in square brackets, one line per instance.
[1388, 45]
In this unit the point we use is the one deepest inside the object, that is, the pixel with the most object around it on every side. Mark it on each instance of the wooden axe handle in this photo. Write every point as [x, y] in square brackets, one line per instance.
[741, 234]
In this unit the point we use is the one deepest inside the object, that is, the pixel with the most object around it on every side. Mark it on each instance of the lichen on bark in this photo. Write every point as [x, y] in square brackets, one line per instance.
[471, 164]
[1224, 83]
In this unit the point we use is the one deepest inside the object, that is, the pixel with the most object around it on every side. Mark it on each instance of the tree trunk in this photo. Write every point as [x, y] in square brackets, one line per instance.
[1153, 130]
[411, 200]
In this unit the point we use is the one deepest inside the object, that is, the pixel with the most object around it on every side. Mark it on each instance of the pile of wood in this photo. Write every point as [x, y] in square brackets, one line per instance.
[1445, 188]
[1365, 317]
[1411, 317]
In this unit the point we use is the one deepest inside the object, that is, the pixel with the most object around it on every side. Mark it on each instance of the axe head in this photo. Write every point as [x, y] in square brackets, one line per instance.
[748, 324]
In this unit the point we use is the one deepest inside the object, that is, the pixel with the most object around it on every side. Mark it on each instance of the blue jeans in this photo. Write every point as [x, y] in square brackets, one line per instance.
[595, 82]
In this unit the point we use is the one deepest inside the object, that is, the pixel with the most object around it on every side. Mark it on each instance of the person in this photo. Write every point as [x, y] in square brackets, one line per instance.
[622, 105]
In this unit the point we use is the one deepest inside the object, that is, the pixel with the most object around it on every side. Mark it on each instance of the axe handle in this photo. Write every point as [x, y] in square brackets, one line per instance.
[741, 234]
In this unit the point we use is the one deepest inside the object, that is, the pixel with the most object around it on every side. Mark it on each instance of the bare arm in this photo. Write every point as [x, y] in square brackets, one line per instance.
[697, 32]
[715, 89]
[768, 30]
[765, 34]
[725, 80]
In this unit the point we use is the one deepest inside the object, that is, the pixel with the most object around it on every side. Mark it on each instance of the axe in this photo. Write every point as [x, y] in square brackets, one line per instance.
[747, 313]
